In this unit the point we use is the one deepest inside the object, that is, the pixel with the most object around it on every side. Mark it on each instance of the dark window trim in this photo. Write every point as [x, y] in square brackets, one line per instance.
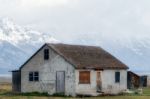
[46, 54]
[117, 77]
[33, 76]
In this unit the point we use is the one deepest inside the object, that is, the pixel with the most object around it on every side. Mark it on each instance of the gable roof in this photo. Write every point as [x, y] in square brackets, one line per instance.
[32, 56]
[82, 57]
[88, 56]
[132, 73]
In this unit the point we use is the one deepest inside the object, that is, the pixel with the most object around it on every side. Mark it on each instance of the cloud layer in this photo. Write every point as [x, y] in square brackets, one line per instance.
[124, 24]
[72, 18]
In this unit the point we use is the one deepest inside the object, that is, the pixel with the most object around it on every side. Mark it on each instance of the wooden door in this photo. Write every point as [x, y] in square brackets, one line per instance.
[60, 81]
[98, 80]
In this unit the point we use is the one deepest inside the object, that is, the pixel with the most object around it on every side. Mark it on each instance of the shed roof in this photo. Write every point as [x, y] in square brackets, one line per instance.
[88, 56]
[132, 73]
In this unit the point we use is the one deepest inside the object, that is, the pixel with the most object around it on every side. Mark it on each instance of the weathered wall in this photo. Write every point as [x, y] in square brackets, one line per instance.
[108, 82]
[148, 81]
[47, 74]
[16, 81]
[86, 88]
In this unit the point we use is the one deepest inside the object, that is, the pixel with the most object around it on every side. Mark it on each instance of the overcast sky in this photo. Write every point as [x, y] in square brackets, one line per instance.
[96, 21]
[65, 19]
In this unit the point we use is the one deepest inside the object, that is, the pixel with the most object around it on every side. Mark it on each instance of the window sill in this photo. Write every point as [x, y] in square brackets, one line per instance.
[84, 83]
[33, 81]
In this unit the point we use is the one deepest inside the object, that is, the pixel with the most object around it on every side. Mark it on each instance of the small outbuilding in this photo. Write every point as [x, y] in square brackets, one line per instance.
[148, 81]
[16, 81]
[133, 80]
[143, 81]
[71, 70]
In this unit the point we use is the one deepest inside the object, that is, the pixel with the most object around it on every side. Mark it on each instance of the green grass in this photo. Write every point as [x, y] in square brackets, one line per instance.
[5, 93]
[107, 97]
[146, 91]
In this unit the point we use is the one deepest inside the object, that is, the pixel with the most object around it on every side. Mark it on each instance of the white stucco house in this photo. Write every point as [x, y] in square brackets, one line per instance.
[72, 70]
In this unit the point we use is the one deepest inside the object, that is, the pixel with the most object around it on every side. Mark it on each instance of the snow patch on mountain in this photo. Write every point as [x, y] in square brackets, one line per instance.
[133, 51]
[18, 43]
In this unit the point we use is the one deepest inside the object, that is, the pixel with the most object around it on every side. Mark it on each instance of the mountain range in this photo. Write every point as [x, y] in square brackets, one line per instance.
[18, 43]
[133, 51]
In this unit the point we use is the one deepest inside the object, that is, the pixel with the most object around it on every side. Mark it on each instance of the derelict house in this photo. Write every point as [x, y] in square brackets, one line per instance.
[72, 70]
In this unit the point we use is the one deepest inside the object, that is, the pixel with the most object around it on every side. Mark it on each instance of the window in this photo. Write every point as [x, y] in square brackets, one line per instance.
[46, 54]
[117, 77]
[84, 77]
[33, 76]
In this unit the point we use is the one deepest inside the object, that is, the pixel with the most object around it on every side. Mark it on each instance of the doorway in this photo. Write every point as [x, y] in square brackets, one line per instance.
[98, 81]
[60, 82]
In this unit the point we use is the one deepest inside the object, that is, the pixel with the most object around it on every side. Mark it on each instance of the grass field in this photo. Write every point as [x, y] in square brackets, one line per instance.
[5, 90]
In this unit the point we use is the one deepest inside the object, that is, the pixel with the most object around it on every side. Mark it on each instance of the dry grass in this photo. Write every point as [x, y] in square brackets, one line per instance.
[6, 88]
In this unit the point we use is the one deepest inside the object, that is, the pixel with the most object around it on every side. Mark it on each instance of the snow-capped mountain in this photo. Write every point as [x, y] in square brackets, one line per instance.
[134, 52]
[18, 43]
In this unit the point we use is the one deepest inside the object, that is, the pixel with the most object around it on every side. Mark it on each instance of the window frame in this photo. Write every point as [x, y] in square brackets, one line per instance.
[33, 76]
[46, 54]
[88, 79]
[117, 77]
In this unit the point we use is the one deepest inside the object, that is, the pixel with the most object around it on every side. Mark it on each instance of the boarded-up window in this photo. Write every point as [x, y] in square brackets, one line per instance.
[117, 77]
[84, 77]
[46, 54]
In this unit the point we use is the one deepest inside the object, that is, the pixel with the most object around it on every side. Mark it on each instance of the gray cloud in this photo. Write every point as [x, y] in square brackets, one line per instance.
[73, 18]
[120, 26]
